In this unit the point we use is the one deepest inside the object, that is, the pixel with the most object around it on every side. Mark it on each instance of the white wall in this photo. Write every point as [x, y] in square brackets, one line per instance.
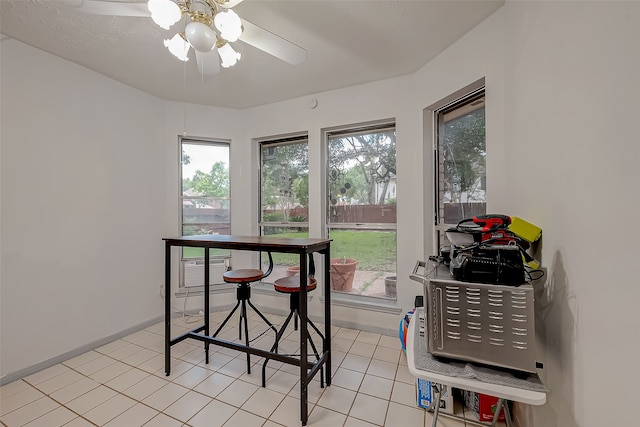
[571, 119]
[561, 111]
[83, 192]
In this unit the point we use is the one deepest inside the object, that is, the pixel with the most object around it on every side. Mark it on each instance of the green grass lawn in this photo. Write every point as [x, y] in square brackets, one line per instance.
[374, 250]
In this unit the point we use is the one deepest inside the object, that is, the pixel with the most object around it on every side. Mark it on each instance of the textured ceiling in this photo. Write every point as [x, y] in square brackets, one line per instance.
[348, 42]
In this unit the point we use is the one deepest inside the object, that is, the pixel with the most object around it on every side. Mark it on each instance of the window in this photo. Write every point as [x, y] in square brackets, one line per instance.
[204, 197]
[284, 195]
[460, 169]
[361, 209]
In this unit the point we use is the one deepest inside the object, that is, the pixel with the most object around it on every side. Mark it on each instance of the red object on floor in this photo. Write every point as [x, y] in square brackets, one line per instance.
[482, 405]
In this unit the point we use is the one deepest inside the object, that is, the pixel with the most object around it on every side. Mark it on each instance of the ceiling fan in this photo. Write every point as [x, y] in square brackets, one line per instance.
[210, 28]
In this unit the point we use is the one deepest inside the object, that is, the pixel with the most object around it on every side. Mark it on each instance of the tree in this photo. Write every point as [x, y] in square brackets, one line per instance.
[364, 161]
[285, 170]
[464, 150]
[212, 184]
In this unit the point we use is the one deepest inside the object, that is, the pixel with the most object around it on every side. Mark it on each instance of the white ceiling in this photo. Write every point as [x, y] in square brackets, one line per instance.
[348, 43]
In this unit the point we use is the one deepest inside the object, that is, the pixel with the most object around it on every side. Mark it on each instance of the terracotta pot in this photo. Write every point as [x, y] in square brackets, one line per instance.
[342, 274]
[292, 271]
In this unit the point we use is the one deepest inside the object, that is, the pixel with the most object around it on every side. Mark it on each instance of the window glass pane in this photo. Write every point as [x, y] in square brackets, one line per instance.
[284, 182]
[284, 197]
[205, 192]
[361, 179]
[461, 160]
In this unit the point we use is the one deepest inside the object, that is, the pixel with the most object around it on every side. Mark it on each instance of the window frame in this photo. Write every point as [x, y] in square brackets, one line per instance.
[460, 98]
[225, 259]
[374, 303]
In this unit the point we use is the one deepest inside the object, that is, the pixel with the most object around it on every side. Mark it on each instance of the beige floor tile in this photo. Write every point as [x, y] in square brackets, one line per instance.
[162, 420]
[349, 334]
[29, 412]
[165, 396]
[354, 422]
[403, 375]
[193, 377]
[95, 365]
[382, 369]
[337, 399]
[362, 349]
[47, 374]
[140, 357]
[82, 359]
[237, 393]
[13, 388]
[263, 402]
[376, 386]
[214, 384]
[187, 406]
[126, 380]
[346, 378]
[287, 413]
[356, 363]
[135, 416]
[282, 382]
[323, 417]
[20, 399]
[404, 393]
[389, 342]
[215, 414]
[155, 364]
[79, 422]
[56, 418]
[245, 419]
[314, 391]
[386, 354]
[91, 399]
[368, 337]
[110, 409]
[398, 415]
[58, 382]
[111, 347]
[145, 388]
[74, 390]
[369, 408]
[341, 344]
[235, 368]
[110, 372]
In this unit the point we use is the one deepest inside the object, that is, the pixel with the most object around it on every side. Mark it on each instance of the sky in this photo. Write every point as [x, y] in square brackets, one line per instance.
[203, 157]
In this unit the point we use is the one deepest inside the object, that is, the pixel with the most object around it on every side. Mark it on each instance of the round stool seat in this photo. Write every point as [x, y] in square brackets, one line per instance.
[291, 284]
[243, 275]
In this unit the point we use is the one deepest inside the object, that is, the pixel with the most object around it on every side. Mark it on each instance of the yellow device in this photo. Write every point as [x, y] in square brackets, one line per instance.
[525, 230]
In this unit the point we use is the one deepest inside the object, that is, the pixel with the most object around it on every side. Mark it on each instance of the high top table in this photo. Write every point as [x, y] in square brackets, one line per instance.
[302, 247]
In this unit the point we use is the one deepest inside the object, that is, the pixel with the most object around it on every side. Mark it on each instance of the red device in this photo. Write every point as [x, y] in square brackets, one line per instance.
[489, 222]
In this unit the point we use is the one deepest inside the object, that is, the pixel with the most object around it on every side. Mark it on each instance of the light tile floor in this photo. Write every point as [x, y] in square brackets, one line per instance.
[122, 384]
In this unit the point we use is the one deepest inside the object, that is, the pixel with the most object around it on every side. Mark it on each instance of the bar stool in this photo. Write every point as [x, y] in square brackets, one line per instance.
[291, 285]
[244, 277]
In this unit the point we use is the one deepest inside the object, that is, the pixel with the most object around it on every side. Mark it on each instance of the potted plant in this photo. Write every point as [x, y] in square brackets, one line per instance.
[343, 271]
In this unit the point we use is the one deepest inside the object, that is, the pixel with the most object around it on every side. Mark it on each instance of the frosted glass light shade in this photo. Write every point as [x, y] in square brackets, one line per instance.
[165, 13]
[228, 56]
[201, 36]
[179, 47]
[229, 25]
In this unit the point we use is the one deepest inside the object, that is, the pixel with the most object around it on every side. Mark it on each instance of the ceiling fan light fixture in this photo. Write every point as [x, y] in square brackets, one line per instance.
[178, 46]
[200, 36]
[228, 56]
[229, 24]
[165, 13]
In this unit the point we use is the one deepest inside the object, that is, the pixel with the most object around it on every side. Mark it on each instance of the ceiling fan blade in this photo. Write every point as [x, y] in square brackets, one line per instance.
[272, 44]
[208, 62]
[115, 8]
[231, 3]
